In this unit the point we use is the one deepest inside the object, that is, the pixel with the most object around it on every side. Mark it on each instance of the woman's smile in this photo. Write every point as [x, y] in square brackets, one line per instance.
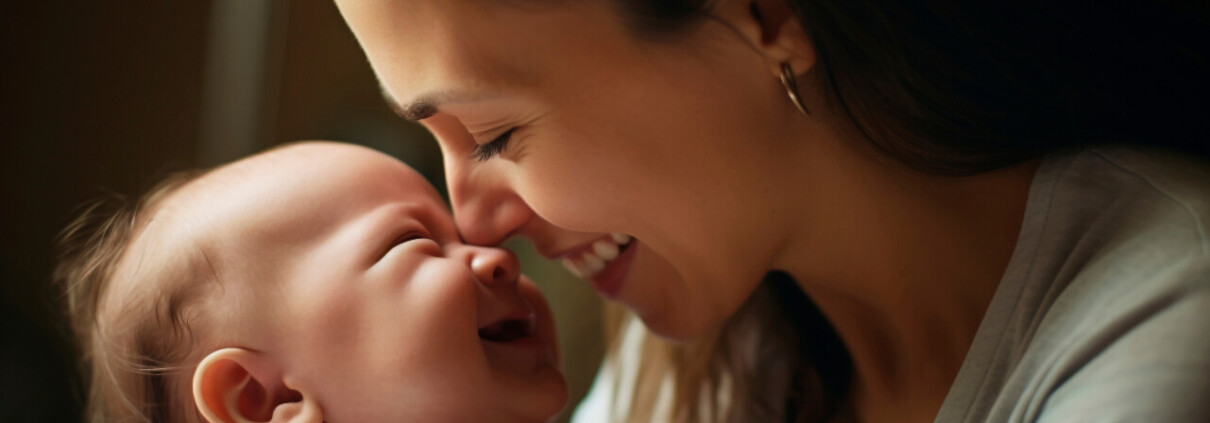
[603, 261]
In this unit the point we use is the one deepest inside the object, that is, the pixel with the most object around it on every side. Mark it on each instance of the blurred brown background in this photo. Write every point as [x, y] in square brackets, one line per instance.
[102, 98]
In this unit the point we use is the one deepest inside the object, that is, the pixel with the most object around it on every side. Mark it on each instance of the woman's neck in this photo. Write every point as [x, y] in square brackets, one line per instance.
[904, 269]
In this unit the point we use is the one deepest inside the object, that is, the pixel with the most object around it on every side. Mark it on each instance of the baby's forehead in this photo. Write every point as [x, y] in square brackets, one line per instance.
[349, 172]
[249, 220]
[300, 190]
[244, 215]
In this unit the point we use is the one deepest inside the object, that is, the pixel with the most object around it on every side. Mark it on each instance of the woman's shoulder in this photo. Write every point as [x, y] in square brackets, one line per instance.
[1182, 179]
[1128, 339]
[1120, 342]
[1165, 177]
[1103, 312]
[1117, 225]
[1117, 215]
[1124, 344]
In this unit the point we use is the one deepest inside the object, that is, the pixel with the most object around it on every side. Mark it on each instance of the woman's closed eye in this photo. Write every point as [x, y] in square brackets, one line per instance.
[483, 152]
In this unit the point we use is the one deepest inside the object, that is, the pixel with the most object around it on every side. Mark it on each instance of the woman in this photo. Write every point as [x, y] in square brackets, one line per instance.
[924, 174]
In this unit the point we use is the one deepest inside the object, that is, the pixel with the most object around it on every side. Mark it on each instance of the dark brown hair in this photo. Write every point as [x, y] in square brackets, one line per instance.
[960, 88]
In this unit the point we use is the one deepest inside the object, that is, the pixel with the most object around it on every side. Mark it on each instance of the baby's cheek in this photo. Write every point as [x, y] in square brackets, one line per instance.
[325, 323]
[421, 359]
[438, 318]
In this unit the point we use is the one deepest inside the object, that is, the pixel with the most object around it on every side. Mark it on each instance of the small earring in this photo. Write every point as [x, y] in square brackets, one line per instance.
[791, 85]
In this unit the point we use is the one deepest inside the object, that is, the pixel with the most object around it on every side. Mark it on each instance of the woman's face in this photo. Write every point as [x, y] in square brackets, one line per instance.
[610, 135]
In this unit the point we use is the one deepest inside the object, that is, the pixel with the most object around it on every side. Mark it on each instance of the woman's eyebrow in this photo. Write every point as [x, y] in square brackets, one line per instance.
[426, 104]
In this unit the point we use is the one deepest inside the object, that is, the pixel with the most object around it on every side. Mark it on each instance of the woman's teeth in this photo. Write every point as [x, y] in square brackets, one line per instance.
[593, 261]
[605, 250]
[620, 239]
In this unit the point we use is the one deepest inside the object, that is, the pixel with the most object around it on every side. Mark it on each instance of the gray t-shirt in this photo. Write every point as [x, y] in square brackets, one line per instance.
[1103, 314]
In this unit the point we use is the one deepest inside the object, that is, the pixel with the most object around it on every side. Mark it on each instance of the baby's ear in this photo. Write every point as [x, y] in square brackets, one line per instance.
[235, 385]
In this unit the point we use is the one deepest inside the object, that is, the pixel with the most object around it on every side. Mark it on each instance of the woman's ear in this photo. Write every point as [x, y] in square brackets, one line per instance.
[771, 27]
[235, 385]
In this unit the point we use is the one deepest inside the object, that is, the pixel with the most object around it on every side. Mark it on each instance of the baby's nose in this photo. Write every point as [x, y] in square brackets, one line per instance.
[495, 266]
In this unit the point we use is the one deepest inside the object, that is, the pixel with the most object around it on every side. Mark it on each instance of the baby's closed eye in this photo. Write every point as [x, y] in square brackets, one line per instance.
[406, 237]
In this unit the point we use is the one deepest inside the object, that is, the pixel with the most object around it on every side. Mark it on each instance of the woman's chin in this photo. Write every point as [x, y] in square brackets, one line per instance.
[672, 325]
[651, 291]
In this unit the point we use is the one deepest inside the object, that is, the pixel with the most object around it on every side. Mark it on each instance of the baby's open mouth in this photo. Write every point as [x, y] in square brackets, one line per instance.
[507, 330]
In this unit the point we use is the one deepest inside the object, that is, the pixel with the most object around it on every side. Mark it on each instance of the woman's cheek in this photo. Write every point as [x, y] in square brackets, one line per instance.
[568, 204]
[569, 185]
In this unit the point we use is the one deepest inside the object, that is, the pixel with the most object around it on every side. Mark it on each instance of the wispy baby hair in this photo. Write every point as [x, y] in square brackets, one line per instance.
[128, 348]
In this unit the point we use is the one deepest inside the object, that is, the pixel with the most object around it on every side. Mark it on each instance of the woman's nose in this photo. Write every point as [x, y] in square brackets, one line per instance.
[494, 267]
[486, 209]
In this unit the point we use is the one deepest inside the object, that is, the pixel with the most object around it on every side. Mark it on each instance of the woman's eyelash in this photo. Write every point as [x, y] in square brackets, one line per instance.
[483, 152]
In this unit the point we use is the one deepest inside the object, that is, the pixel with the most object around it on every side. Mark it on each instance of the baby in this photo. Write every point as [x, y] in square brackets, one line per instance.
[314, 282]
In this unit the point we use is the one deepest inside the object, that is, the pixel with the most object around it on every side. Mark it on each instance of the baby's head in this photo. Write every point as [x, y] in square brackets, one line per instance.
[315, 282]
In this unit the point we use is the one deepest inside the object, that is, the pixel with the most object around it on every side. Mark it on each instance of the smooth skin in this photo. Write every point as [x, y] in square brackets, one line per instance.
[690, 145]
[336, 288]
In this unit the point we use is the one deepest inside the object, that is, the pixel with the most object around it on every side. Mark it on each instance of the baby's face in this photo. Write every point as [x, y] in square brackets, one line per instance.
[344, 266]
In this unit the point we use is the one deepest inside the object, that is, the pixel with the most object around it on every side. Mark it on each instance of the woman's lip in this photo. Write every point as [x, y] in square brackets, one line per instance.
[609, 280]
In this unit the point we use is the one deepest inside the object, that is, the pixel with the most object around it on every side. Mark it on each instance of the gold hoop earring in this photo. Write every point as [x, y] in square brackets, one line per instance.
[791, 85]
